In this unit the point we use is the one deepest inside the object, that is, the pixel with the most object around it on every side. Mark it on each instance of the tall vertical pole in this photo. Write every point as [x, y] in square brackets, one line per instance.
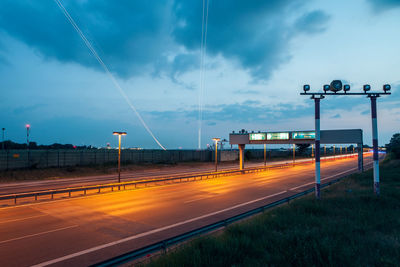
[216, 155]
[317, 149]
[312, 152]
[119, 158]
[27, 137]
[375, 144]
[2, 144]
[241, 156]
[27, 144]
[265, 155]
[294, 153]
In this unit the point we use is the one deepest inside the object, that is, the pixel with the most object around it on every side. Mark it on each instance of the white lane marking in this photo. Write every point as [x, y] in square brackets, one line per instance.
[73, 255]
[22, 219]
[197, 199]
[42, 233]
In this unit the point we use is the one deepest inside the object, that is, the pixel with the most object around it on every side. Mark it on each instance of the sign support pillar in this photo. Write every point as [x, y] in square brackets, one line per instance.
[241, 156]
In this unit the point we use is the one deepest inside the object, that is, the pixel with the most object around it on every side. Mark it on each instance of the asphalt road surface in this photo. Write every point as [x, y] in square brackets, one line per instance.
[85, 230]
[38, 185]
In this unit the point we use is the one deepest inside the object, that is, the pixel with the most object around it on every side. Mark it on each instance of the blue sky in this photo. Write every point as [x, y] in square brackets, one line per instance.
[259, 54]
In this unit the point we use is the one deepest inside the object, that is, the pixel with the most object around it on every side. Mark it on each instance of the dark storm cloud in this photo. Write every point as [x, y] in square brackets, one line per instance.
[384, 4]
[255, 33]
[130, 35]
[136, 37]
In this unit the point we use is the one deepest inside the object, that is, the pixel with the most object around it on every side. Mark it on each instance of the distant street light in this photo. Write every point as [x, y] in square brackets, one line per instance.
[119, 153]
[28, 126]
[216, 140]
[312, 153]
[294, 153]
[265, 155]
[2, 145]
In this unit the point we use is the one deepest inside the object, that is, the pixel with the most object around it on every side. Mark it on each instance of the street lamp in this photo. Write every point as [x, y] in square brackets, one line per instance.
[119, 153]
[216, 140]
[2, 144]
[334, 89]
[28, 126]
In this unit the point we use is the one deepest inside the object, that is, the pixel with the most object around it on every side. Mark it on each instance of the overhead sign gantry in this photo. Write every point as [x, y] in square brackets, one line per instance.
[348, 136]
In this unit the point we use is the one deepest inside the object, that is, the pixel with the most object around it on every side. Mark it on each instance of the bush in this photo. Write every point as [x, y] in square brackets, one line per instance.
[394, 146]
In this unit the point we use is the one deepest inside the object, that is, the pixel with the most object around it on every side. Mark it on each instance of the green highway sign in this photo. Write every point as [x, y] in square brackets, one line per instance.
[257, 136]
[278, 136]
[303, 135]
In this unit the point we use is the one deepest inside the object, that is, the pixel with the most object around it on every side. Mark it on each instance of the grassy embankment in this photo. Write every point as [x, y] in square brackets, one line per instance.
[348, 227]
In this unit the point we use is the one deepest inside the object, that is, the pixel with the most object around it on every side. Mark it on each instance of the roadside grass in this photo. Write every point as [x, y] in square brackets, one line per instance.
[349, 226]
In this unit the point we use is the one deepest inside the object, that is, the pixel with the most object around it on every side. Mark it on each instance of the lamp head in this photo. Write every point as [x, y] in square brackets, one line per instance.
[346, 88]
[366, 87]
[306, 88]
[119, 133]
[326, 87]
[386, 87]
[336, 86]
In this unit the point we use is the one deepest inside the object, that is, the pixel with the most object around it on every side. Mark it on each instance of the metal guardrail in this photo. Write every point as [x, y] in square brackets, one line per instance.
[162, 245]
[131, 185]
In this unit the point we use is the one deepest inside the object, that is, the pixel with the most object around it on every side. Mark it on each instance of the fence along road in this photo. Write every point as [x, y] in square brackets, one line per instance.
[83, 231]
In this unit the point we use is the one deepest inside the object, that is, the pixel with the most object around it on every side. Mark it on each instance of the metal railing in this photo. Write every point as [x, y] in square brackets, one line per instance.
[131, 185]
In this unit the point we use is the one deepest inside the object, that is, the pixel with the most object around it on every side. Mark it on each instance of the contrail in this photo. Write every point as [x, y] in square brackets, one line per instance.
[94, 53]
[203, 51]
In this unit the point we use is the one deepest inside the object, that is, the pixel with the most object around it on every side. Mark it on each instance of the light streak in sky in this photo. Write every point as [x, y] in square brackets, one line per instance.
[110, 75]
[203, 50]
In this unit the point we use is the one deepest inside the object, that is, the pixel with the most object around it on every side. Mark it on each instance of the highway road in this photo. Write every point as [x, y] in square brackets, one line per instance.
[85, 230]
[37, 185]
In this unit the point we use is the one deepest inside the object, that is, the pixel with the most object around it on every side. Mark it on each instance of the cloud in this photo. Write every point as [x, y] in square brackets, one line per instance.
[245, 112]
[131, 36]
[162, 37]
[312, 22]
[256, 33]
[382, 5]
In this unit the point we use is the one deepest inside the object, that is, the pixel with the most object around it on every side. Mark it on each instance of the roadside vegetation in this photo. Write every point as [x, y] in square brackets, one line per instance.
[349, 226]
